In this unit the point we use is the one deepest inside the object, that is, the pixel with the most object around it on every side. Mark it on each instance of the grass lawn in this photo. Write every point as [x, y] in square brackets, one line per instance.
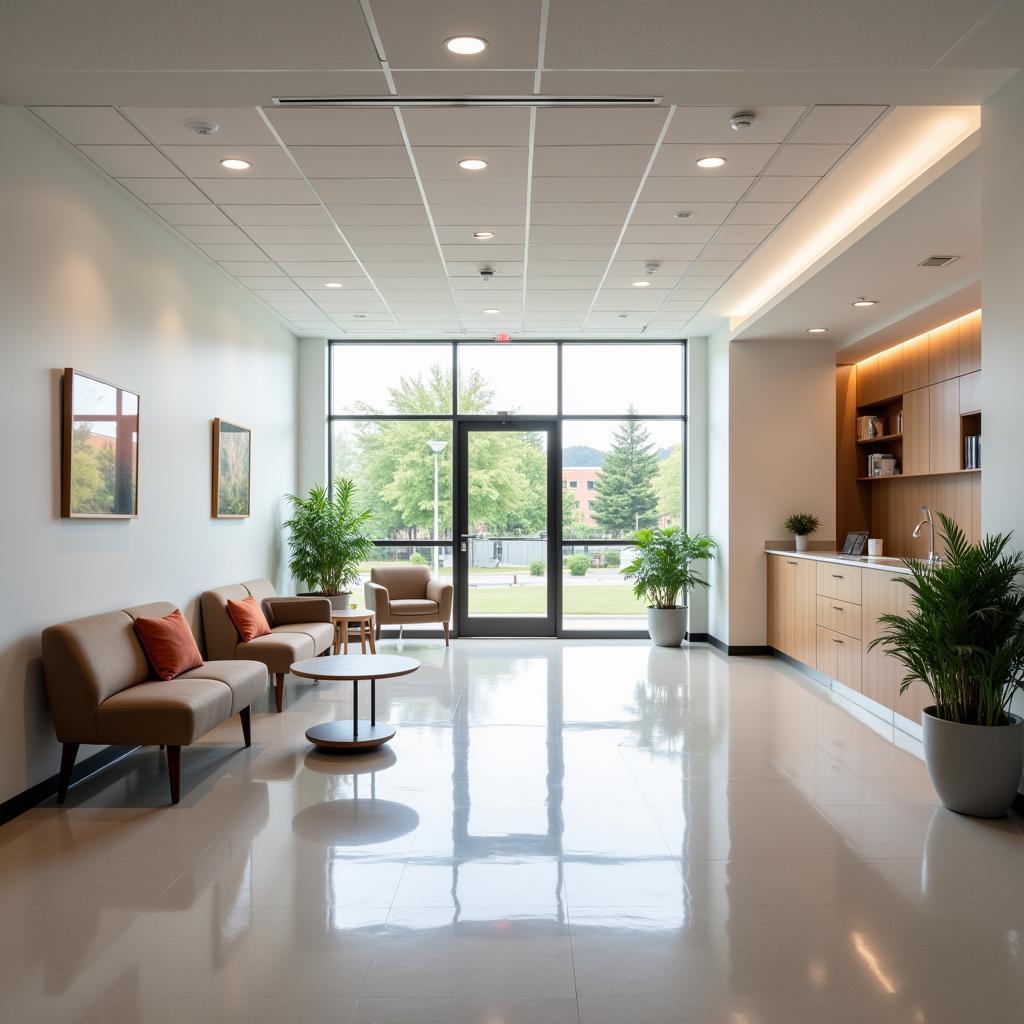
[605, 599]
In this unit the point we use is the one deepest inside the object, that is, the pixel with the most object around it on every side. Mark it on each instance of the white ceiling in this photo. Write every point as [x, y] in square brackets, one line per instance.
[580, 201]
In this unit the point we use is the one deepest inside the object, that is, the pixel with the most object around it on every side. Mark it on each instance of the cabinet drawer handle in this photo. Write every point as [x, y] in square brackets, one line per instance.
[835, 641]
[837, 576]
[788, 562]
[836, 608]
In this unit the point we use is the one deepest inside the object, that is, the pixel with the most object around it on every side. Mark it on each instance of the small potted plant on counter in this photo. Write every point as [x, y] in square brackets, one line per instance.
[327, 541]
[662, 571]
[964, 639]
[802, 525]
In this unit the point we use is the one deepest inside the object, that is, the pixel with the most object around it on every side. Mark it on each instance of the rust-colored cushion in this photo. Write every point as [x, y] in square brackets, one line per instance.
[169, 644]
[248, 618]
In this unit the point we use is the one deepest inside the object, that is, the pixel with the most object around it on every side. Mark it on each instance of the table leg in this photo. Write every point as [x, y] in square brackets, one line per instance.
[373, 702]
[371, 629]
[355, 709]
[337, 638]
[344, 635]
[362, 635]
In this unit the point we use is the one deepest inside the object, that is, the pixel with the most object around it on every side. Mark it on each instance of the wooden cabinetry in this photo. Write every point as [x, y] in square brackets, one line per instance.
[890, 373]
[944, 352]
[970, 393]
[916, 427]
[838, 657]
[867, 381]
[915, 363]
[839, 581]
[969, 345]
[884, 594]
[839, 616]
[944, 427]
[791, 606]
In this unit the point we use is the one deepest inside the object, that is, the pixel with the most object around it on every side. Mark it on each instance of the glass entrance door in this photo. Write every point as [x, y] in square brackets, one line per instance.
[506, 522]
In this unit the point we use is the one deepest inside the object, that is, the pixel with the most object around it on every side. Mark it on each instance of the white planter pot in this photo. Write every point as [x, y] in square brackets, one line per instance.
[975, 769]
[801, 542]
[339, 602]
[667, 626]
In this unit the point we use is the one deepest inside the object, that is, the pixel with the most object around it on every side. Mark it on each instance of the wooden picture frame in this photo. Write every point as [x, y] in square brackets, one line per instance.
[231, 496]
[99, 448]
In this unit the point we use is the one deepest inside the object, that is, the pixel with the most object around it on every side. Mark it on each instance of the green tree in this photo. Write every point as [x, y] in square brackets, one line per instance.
[626, 497]
[669, 485]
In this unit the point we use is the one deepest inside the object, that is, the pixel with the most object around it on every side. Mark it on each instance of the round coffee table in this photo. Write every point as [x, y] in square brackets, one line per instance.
[358, 734]
[367, 628]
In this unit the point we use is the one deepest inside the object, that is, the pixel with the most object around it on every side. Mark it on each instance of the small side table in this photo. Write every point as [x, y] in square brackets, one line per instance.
[363, 617]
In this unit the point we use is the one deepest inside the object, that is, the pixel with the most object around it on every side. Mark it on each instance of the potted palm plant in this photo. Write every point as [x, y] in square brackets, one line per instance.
[964, 639]
[661, 571]
[327, 541]
[802, 525]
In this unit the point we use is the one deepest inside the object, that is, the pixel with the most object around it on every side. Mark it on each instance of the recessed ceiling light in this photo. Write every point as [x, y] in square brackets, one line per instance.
[641, 284]
[483, 234]
[711, 161]
[683, 214]
[817, 330]
[864, 302]
[234, 163]
[333, 284]
[465, 45]
[359, 316]
[492, 311]
[472, 164]
[623, 316]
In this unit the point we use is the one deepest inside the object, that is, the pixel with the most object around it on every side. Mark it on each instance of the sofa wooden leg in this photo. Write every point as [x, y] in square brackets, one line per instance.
[246, 717]
[174, 772]
[444, 626]
[67, 764]
[279, 690]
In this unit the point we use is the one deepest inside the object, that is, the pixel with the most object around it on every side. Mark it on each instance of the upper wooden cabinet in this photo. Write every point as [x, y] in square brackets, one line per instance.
[915, 363]
[944, 427]
[969, 346]
[970, 392]
[916, 432]
[890, 373]
[944, 352]
[867, 381]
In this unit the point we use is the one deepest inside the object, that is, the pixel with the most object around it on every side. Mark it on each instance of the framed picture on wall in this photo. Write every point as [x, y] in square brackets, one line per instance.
[232, 470]
[99, 449]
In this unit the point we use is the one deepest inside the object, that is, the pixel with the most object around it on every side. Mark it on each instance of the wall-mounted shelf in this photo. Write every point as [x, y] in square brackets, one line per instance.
[876, 440]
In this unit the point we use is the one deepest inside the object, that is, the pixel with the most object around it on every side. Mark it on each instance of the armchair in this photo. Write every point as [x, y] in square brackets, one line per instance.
[403, 594]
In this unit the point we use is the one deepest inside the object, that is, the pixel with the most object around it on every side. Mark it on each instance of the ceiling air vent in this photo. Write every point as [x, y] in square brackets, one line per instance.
[937, 261]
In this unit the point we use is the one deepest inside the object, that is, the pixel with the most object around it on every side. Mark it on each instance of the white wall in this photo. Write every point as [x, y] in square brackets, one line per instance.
[89, 280]
[717, 362]
[312, 385]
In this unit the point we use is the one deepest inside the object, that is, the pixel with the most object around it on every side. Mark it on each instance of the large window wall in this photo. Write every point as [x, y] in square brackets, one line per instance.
[621, 418]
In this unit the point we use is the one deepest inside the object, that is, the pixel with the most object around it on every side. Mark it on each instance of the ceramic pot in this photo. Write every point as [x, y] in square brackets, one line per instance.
[667, 626]
[801, 542]
[975, 769]
[340, 602]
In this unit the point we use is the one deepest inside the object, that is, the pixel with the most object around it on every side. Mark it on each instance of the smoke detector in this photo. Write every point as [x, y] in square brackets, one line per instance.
[202, 128]
[487, 275]
[742, 121]
[650, 269]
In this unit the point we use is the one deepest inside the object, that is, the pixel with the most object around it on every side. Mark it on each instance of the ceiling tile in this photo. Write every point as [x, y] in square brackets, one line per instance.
[397, 253]
[485, 215]
[760, 213]
[468, 126]
[627, 299]
[573, 234]
[248, 269]
[293, 234]
[376, 191]
[728, 251]
[251, 216]
[608, 214]
[131, 161]
[308, 253]
[512, 268]
[742, 160]
[788, 189]
[583, 190]
[355, 127]
[583, 251]
[599, 127]
[836, 123]
[634, 269]
[714, 268]
[189, 213]
[664, 214]
[712, 124]
[413, 34]
[705, 281]
[744, 233]
[484, 252]
[402, 234]
[243, 252]
[567, 268]
[353, 161]
[326, 269]
[685, 292]
[504, 234]
[464, 81]
[214, 233]
[102, 126]
[163, 190]
[314, 286]
[658, 282]
[814, 160]
[378, 269]
[681, 232]
[204, 161]
[372, 215]
[274, 191]
[264, 284]
[575, 161]
[237, 126]
[443, 162]
[683, 306]
[658, 251]
[476, 190]
[277, 294]
[684, 192]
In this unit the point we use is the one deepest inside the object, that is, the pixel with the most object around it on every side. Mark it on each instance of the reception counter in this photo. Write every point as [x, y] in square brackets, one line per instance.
[823, 611]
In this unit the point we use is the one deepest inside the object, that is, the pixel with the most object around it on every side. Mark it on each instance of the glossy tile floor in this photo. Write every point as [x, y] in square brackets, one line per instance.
[561, 833]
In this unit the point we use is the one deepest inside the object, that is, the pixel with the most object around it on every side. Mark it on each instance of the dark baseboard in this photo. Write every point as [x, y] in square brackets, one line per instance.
[35, 795]
[738, 650]
[698, 638]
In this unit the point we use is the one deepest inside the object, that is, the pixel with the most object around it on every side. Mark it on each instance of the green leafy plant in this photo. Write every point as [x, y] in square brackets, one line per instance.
[417, 559]
[964, 637]
[612, 558]
[537, 568]
[326, 538]
[801, 524]
[663, 566]
[578, 565]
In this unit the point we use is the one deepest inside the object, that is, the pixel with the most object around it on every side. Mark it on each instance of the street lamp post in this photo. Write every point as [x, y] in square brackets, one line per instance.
[436, 447]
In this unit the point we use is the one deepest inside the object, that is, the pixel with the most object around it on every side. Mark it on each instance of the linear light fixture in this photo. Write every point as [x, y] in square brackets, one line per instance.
[467, 101]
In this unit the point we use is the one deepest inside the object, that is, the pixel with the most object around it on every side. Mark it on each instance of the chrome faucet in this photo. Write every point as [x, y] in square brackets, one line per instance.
[933, 556]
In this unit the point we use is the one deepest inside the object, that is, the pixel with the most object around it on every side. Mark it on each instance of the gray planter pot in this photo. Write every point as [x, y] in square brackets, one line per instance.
[667, 626]
[975, 769]
[340, 602]
[801, 542]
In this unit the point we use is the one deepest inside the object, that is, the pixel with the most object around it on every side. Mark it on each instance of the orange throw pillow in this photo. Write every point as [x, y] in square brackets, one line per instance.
[169, 644]
[248, 618]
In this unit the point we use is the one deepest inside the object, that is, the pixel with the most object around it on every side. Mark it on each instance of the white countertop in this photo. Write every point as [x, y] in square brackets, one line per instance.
[889, 564]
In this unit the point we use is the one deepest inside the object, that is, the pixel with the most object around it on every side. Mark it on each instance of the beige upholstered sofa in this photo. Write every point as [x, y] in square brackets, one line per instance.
[102, 690]
[301, 628]
[404, 594]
